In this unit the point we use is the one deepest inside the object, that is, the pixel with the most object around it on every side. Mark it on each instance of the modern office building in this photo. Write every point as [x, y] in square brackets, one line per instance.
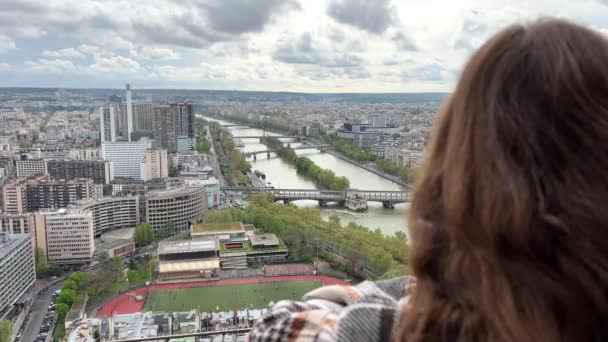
[100, 171]
[129, 113]
[156, 164]
[17, 223]
[85, 154]
[172, 121]
[65, 236]
[177, 207]
[111, 213]
[31, 167]
[127, 158]
[365, 135]
[107, 124]
[17, 270]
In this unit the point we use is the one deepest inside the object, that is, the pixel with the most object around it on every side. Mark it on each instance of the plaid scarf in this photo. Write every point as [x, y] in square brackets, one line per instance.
[367, 312]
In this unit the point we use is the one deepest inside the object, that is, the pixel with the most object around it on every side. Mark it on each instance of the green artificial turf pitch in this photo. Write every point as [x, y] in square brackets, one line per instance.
[227, 297]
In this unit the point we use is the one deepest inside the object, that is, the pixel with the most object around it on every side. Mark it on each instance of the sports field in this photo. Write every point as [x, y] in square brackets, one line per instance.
[227, 297]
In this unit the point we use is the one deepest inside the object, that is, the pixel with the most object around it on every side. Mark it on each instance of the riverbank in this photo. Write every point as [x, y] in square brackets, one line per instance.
[376, 171]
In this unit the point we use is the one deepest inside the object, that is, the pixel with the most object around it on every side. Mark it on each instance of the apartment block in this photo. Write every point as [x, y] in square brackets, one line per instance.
[111, 213]
[40, 192]
[17, 270]
[180, 207]
[100, 171]
[156, 164]
[31, 167]
[85, 154]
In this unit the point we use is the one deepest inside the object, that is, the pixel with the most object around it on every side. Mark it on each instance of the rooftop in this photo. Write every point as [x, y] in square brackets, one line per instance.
[264, 240]
[9, 241]
[215, 228]
[175, 247]
[118, 234]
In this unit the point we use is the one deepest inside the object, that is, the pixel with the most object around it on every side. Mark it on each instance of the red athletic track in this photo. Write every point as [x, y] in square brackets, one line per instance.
[126, 303]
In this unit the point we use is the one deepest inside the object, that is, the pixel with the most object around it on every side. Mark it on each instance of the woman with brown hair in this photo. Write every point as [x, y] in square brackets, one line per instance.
[509, 222]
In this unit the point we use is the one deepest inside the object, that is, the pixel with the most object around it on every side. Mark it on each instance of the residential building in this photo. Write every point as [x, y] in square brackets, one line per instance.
[172, 121]
[31, 167]
[65, 236]
[178, 207]
[85, 154]
[17, 223]
[14, 195]
[127, 158]
[111, 213]
[107, 124]
[156, 164]
[49, 193]
[17, 270]
[100, 171]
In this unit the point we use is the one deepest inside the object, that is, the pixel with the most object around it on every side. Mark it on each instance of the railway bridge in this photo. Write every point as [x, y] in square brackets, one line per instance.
[387, 198]
[322, 148]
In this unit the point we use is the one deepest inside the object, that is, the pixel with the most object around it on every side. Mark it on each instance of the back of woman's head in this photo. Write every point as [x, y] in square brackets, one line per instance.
[509, 223]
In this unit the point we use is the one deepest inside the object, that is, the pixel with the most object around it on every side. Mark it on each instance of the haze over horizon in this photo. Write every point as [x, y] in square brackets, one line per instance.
[328, 46]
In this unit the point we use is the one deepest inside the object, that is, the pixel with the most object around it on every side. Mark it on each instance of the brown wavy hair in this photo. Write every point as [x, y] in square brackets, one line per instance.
[509, 223]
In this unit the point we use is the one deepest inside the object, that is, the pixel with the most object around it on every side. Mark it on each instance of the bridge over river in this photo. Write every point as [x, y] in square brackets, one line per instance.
[322, 148]
[387, 198]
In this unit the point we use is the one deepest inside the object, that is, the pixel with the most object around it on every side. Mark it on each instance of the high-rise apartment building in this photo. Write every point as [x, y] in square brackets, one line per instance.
[100, 171]
[172, 121]
[30, 167]
[107, 124]
[17, 270]
[42, 192]
[65, 236]
[127, 158]
[156, 164]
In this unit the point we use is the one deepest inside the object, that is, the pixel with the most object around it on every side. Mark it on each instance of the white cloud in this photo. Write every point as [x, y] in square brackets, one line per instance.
[7, 44]
[115, 65]
[298, 45]
[51, 66]
[63, 53]
[157, 53]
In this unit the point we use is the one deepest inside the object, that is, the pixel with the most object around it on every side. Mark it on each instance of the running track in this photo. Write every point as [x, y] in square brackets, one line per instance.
[126, 303]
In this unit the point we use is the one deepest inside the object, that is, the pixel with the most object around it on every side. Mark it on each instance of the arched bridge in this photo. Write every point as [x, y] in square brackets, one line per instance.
[387, 198]
[303, 147]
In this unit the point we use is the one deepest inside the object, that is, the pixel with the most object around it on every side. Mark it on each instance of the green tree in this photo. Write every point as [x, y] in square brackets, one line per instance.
[62, 309]
[166, 231]
[70, 285]
[144, 235]
[6, 330]
[67, 297]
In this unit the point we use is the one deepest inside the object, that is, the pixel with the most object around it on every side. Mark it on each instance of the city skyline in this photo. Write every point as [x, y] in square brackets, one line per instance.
[329, 46]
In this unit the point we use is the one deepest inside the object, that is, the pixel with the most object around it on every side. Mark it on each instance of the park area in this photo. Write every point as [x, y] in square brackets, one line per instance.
[228, 297]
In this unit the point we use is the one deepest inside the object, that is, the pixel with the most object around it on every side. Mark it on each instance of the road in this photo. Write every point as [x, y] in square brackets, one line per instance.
[39, 309]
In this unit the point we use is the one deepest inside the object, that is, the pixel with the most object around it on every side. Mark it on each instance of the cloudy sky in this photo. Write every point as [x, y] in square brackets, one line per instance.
[276, 45]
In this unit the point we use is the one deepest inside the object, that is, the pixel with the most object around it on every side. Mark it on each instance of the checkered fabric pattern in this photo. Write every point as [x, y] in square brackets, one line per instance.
[367, 312]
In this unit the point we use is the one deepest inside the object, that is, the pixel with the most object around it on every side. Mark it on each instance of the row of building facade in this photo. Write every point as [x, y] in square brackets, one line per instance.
[66, 235]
